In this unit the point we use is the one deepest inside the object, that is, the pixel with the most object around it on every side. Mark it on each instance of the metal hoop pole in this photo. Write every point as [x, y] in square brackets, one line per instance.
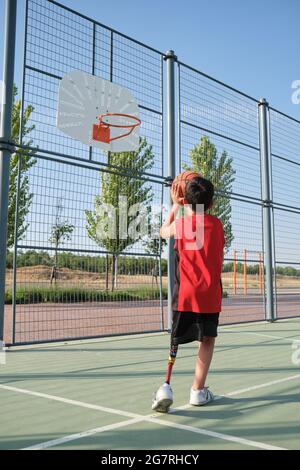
[5, 134]
[171, 149]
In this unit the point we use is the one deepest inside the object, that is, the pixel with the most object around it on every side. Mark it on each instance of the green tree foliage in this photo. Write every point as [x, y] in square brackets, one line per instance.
[27, 160]
[28, 258]
[154, 245]
[288, 271]
[113, 187]
[127, 265]
[219, 170]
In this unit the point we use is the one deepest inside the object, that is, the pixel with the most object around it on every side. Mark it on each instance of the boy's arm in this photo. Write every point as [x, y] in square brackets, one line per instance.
[168, 227]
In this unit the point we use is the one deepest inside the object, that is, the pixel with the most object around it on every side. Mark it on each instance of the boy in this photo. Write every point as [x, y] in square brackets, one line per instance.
[197, 295]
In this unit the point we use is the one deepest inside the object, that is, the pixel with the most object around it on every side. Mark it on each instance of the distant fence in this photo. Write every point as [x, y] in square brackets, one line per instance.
[81, 289]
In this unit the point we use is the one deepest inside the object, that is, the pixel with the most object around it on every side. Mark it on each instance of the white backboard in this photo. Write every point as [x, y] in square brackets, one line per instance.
[82, 97]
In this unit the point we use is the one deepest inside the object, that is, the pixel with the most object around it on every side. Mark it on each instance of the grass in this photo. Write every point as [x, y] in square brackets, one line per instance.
[36, 295]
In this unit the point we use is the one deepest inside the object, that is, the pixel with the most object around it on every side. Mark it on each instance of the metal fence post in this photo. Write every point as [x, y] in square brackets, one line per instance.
[171, 58]
[267, 206]
[5, 135]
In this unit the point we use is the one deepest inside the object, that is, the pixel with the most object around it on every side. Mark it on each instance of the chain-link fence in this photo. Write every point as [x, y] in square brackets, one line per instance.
[76, 287]
[285, 144]
[218, 128]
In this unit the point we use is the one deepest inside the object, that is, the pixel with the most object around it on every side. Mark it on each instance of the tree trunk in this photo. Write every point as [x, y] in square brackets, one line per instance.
[53, 270]
[116, 273]
[156, 271]
[53, 274]
[55, 265]
[106, 272]
[113, 267]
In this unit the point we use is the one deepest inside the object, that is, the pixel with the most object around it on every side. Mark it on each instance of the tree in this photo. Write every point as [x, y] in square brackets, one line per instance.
[27, 160]
[61, 230]
[154, 245]
[117, 190]
[219, 170]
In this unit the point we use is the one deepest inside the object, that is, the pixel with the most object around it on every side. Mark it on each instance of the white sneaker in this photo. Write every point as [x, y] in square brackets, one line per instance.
[163, 399]
[201, 397]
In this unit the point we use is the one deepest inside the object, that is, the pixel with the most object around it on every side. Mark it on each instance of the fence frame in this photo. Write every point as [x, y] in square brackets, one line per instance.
[6, 147]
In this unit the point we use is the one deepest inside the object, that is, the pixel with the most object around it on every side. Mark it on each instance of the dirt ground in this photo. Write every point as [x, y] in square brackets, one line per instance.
[56, 321]
[34, 276]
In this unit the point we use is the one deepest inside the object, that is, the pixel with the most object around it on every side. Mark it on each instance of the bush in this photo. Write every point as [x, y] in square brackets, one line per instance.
[131, 265]
[75, 295]
[94, 264]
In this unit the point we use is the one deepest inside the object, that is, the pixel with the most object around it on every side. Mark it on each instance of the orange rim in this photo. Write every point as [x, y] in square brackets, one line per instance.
[131, 126]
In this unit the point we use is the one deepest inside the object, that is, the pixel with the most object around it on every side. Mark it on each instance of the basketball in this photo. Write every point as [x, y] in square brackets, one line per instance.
[179, 185]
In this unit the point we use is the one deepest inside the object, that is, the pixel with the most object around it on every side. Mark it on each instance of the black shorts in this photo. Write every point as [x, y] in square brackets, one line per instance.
[191, 326]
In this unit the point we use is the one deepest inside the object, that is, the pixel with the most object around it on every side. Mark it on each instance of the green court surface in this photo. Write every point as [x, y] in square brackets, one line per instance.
[97, 394]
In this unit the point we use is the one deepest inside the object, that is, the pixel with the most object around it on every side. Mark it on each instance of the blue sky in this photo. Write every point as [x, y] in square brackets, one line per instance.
[252, 45]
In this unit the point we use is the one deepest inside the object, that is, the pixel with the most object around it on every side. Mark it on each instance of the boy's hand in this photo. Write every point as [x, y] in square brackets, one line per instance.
[174, 195]
[168, 227]
[175, 207]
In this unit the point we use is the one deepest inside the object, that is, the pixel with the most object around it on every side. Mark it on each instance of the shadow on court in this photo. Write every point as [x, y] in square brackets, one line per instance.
[56, 391]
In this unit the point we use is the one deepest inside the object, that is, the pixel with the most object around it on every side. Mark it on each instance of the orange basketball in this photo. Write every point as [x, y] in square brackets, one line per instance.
[179, 185]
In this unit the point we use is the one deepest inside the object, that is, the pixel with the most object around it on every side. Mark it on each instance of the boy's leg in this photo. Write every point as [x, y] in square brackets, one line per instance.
[203, 361]
[163, 398]
[171, 361]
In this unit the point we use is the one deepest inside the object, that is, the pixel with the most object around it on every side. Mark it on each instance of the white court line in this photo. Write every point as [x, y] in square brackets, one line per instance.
[80, 435]
[242, 390]
[225, 437]
[152, 419]
[139, 418]
[265, 336]
[69, 402]
[256, 387]
[149, 418]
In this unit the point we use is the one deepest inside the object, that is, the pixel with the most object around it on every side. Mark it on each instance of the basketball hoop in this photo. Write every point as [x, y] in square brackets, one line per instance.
[101, 131]
[102, 123]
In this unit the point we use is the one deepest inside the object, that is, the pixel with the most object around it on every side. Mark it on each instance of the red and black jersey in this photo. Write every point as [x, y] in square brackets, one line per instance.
[199, 247]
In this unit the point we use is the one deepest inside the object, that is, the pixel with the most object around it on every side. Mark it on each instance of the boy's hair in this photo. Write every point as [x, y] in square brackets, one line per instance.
[199, 191]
